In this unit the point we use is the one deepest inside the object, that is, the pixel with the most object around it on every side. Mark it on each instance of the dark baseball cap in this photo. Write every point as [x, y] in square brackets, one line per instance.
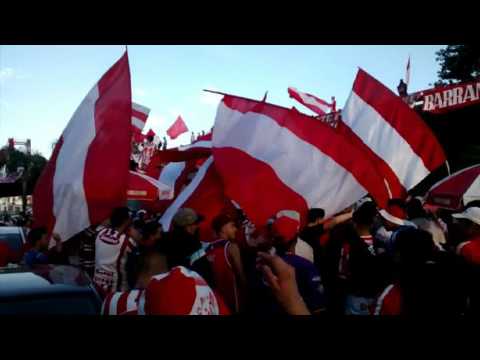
[187, 216]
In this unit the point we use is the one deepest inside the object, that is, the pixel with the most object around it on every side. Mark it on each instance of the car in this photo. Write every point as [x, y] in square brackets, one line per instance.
[47, 290]
[14, 237]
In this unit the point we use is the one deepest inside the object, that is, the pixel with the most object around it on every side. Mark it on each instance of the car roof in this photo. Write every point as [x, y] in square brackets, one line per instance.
[10, 230]
[43, 279]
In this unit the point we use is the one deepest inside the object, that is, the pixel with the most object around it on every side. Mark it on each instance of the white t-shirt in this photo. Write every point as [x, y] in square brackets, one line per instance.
[111, 250]
[304, 250]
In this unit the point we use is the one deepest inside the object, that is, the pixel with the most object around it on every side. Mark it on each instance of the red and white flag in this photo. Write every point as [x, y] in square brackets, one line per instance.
[87, 174]
[142, 187]
[205, 195]
[271, 159]
[178, 127]
[312, 102]
[407, 72]
[402, 145]
[139, 117]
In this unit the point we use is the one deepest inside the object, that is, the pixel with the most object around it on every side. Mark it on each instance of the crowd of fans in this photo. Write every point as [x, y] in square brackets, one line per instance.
[406, 260]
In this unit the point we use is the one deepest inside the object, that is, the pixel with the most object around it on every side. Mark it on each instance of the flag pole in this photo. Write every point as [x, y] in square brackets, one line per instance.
[225, 94]
[448, 167]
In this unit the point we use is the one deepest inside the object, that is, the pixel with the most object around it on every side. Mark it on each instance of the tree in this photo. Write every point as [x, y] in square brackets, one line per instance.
[458, 63]
[33, 166]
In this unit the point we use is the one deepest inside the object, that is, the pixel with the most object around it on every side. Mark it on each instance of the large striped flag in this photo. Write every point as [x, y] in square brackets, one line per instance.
[87, 174]
[398, 140]
[272, 158]
[139, 117]
[312, 102]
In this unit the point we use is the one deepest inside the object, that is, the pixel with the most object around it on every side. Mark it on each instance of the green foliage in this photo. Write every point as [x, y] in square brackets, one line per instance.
[458, 63]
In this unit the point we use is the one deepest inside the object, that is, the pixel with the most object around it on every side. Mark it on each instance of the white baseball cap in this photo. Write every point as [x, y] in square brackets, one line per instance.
[472, 214]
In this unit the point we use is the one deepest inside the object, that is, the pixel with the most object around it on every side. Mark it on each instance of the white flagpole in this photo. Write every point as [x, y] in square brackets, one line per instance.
[407, 72]
[448, 167]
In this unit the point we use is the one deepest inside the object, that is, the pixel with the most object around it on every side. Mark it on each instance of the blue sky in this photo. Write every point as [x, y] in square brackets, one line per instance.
[41, 86]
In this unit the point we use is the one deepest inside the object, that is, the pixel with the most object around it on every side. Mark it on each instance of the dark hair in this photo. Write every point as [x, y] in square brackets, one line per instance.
[414, 246]
[365, 214]
[150, 138]
[314, 214]
[35, 235]
[137, 262]
[119, 216]
[415, 209]
[150, 228]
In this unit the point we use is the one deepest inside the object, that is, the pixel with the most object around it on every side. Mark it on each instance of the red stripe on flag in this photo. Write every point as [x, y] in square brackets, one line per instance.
[403, 119]
[140, 115]
[42, 202]
[107, 162]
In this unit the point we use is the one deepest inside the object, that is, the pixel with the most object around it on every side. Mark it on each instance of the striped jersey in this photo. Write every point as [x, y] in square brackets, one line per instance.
[111, 250]
[122, 303]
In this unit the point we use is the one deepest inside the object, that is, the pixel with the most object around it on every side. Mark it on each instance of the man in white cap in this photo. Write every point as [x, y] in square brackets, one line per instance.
[470, 223]
[394, 219]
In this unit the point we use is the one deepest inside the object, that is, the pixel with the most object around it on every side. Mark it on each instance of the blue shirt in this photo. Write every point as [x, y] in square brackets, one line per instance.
[309, 286]
[33, 257]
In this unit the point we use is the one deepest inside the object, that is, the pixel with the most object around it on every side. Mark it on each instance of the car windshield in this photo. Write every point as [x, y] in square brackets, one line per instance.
[13, 241]
[50, 305]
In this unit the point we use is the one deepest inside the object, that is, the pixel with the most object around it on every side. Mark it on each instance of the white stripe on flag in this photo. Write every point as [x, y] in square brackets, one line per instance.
[170, 173]
[167, 217]
[199, 144]
[140, 108]
[70, 204]
[384, 140]
[138, 123]
[299, 165]
[312, 101]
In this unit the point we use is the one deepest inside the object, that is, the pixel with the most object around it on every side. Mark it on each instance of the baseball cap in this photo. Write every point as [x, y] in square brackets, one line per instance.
[472, 214]
[187, 216]
[178, 292]
[219, 221]
[286, 224]
[361, 202]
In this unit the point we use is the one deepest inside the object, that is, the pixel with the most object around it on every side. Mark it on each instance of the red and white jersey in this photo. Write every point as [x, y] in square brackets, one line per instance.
[389, 302]
[147, 154]
[178, 292]
[217, 255]
[111, 250]
[122, 303]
